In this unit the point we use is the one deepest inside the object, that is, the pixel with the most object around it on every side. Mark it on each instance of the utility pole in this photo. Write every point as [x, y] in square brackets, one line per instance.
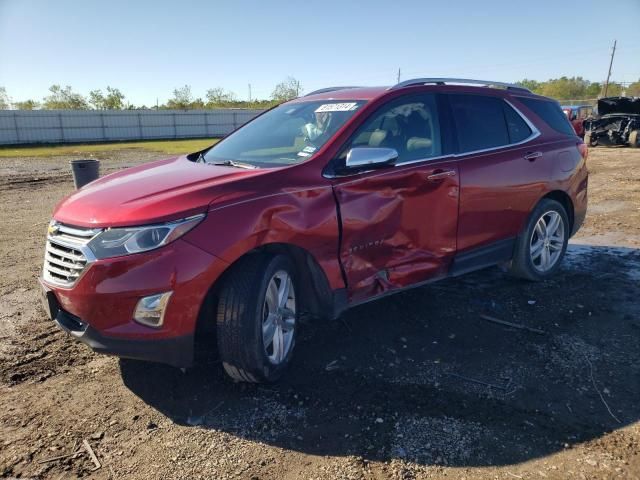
[249, 93]
[606, 84]
[398, 76]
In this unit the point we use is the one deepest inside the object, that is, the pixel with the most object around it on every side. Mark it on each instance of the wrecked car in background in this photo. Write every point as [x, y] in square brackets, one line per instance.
[617, 123]
[577, 114]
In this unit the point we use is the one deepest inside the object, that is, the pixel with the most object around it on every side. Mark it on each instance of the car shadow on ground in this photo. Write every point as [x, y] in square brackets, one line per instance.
[423, 377]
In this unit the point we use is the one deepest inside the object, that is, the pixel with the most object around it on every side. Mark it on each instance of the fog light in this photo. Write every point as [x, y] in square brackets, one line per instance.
[150, 310]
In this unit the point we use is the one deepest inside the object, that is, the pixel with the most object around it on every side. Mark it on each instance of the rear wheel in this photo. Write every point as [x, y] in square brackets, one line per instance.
[257, 318]
[634, 139]
[543, 243]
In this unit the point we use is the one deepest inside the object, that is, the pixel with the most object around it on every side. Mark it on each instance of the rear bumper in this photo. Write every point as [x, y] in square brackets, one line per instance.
[580, 201]
[177, 351]
[578, 220]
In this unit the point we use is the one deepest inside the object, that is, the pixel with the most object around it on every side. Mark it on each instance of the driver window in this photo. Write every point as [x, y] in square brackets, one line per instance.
[410, 125]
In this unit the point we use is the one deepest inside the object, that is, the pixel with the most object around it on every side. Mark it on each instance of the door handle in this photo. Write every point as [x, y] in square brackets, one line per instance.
[441, 175]
[531, 156]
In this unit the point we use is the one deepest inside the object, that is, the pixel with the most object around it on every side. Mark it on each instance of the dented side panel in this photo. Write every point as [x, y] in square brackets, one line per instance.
[398, 227]
[304, 217]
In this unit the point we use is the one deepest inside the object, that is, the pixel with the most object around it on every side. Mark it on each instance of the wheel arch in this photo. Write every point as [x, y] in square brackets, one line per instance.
[563, 199]
[315, 292]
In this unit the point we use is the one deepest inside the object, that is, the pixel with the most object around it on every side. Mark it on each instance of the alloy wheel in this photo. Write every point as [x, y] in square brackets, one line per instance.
[279, 317]
[547, 241]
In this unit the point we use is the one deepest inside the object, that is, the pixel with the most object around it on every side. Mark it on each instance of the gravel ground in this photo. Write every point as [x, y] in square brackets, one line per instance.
[418, 385]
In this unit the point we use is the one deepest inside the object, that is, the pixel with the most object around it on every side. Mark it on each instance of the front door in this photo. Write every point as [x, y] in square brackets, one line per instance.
[399, 223]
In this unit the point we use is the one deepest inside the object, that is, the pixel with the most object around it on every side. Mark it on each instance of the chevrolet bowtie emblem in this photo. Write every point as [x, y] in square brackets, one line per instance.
[53, 229]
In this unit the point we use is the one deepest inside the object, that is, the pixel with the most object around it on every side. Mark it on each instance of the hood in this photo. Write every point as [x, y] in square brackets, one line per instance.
[153, 192]
[624, 105]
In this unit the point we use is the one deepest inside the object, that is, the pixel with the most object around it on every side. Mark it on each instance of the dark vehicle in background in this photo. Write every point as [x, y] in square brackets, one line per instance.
[617, 123]
[577, 114]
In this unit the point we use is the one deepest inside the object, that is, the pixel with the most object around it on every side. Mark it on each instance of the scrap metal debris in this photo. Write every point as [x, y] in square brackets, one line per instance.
[514, 325]
[91, 453]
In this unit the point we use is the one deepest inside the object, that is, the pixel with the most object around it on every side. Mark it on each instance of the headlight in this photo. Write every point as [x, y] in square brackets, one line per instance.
[115, 242]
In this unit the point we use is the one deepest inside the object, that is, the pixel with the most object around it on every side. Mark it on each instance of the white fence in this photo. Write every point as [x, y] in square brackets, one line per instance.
[68, 126]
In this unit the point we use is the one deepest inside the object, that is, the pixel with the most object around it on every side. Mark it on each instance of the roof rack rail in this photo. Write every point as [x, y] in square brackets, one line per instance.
[329, 89]
[465, 81]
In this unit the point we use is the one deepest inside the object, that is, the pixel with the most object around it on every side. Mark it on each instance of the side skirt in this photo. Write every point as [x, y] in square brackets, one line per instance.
[482, 257]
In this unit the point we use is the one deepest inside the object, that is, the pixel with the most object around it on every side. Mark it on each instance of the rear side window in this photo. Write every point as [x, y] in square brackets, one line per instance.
[551, 113]
[518, 128]
[480, 122]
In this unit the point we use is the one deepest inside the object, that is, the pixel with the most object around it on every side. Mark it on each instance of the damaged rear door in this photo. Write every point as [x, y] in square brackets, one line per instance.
[399, 223]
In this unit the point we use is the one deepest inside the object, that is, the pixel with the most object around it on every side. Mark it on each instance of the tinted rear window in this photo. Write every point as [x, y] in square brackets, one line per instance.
[518, 128]
[480, 122]
[551, 113]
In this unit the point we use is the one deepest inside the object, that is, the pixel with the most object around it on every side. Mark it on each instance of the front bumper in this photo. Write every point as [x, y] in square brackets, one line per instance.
[98, 309]
[177, 351]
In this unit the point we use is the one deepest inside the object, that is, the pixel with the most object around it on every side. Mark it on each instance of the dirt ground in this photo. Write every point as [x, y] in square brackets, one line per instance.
[413, 386]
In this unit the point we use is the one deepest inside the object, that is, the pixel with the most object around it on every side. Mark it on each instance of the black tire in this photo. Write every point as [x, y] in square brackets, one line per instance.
[522, 265]
[239, 318]
[634, 139]
[587, 140]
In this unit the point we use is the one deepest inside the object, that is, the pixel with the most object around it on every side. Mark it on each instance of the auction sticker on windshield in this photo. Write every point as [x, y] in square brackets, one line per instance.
[337, 107]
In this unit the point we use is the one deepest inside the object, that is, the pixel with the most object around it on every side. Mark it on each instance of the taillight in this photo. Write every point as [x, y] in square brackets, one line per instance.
[584, 150]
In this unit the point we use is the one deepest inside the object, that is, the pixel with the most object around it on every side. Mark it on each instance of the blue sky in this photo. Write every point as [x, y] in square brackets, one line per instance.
[147, 48]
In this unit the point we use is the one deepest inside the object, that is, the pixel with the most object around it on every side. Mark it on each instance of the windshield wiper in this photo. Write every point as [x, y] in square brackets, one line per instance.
[233, 163]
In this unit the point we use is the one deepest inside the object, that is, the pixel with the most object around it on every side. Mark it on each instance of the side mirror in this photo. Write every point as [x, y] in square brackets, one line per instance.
[371, 157]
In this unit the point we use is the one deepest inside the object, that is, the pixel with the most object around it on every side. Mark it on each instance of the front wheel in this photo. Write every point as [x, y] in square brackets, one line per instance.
[634, 139]
[257, 318]
[543, 243]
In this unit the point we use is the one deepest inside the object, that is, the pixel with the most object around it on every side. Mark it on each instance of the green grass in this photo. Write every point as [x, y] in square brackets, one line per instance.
[163, 146]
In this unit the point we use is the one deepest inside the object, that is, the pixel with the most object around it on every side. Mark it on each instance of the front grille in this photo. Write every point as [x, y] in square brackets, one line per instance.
[67, 255]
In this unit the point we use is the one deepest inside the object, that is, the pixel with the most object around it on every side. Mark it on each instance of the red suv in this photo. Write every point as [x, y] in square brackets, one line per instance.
[577, 114]
[333, 199]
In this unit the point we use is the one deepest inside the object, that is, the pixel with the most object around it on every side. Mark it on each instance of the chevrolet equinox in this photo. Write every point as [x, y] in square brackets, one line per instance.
[327, 201]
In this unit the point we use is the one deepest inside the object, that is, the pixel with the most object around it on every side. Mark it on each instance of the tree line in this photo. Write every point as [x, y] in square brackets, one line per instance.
[64, 98]
[577, 88]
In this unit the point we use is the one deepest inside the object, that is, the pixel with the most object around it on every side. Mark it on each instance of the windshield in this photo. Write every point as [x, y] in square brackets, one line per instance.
[286, 135]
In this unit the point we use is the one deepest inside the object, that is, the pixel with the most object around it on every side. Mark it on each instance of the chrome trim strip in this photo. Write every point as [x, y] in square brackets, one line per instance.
[78, 232]
[65, 261]
[535, 133]
[51, 248]
[524, 117]
[86, 251]
[463, 81]
[74, 239]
